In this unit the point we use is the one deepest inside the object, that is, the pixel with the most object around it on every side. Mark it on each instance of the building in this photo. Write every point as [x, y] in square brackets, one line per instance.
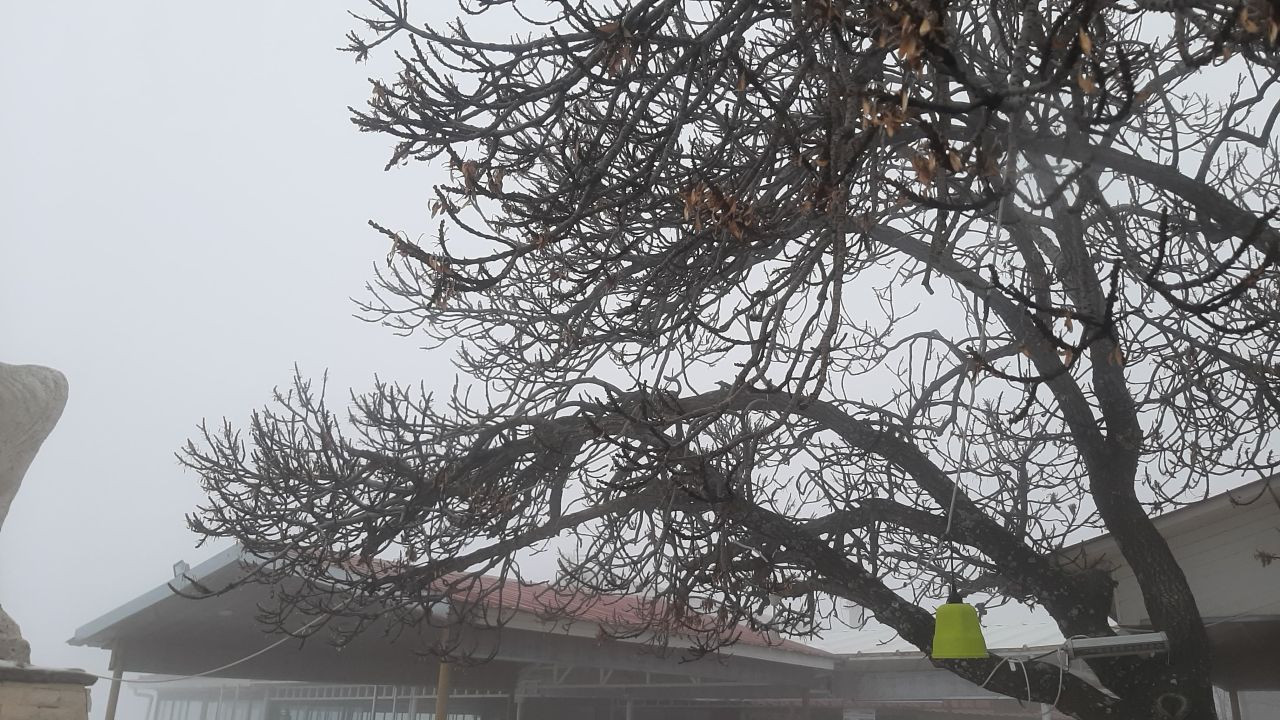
[1226, 545]
[544, 668]
[539, 669]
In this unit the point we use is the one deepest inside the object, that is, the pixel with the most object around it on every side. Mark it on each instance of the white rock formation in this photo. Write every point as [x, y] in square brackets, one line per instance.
[31, 401]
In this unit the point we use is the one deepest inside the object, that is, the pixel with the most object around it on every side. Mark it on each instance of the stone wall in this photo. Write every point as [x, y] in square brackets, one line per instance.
[31, 693]
[43, 701]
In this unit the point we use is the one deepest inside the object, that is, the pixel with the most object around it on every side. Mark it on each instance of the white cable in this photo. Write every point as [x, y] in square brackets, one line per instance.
[955, 485]
[1012, 663]
[992, 674]
[220, 668]
[1251, 610]
[1063, 660]
[1007, 171]
[1022, 665]
[1025, 676]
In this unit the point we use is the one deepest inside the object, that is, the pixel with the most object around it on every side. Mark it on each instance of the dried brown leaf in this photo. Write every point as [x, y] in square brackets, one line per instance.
[1086, 43]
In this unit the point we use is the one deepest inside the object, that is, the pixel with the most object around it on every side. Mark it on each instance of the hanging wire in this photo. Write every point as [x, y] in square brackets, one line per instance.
[1009, 175]
[220, 668]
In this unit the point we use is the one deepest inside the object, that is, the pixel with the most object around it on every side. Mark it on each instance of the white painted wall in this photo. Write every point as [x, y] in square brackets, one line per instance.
[1218, 550]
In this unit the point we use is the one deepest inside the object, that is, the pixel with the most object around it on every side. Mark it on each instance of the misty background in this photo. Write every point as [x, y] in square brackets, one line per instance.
[183, 207]
[182, 219]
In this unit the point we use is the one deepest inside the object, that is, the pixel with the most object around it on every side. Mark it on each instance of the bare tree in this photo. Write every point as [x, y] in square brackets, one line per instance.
[818, 300]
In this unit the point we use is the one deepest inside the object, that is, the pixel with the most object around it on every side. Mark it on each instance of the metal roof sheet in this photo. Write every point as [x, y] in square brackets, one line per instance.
[875, 638]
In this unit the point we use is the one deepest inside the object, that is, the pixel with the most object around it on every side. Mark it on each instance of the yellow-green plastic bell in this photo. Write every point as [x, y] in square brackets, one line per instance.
[957, 635]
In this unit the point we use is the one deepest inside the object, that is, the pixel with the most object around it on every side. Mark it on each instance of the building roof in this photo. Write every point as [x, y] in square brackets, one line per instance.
[618, 612]
[1213, 508]
[525, 608]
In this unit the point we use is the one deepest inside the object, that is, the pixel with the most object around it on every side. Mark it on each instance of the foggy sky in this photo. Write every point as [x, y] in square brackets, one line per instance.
[182, 218]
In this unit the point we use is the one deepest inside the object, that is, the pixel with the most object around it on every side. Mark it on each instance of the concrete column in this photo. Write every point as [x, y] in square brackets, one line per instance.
[443, 677]
[1236, 713]
[117, 672]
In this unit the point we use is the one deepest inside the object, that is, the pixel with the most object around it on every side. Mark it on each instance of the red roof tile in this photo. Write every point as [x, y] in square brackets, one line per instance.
[617, 613]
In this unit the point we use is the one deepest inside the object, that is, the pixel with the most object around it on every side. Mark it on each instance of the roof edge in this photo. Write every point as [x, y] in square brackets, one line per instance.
[1180, 517]
[90, 633]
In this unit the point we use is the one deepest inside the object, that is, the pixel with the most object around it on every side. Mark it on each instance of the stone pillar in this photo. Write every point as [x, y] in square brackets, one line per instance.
[12, 647]
[31, 401]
